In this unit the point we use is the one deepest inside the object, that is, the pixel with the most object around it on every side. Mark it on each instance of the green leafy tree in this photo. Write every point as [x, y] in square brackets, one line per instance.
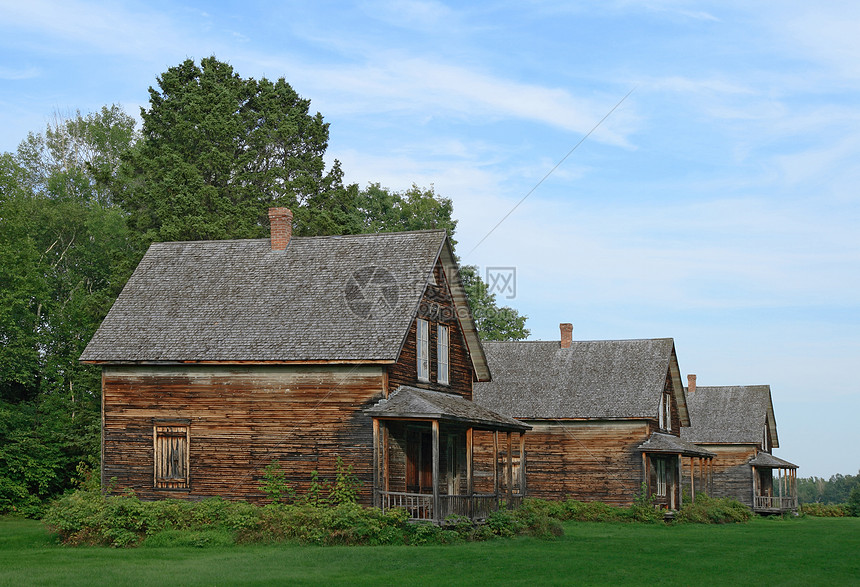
[64, 256]
[218, 150]
[494, 322]
[78, 156]
[382, 210]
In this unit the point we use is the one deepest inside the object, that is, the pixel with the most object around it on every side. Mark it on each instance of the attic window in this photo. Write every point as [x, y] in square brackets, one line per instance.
[423, 349]
[442, 354]
[764, 446]
[665, 412]
[171, 456]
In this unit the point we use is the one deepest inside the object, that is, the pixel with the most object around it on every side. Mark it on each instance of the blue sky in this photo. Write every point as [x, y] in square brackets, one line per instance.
[717, 205]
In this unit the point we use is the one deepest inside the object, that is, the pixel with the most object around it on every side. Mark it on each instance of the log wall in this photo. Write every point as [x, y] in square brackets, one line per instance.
[731, 472]
[239, 419]
[583, 460]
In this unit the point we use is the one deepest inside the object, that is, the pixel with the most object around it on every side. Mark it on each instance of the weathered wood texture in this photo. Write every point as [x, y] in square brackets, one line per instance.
[240, 419]
[583, 460]
[437, 307]
[731, 472]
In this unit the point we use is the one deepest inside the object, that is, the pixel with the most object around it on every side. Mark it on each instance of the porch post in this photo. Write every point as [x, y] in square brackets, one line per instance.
[680, 478]
[376, 495]
[522, 464]
[435, 473]
[645, 477]
[496, 464]
[470, 486]
[754, 483]
[509, 470]
[693, 480]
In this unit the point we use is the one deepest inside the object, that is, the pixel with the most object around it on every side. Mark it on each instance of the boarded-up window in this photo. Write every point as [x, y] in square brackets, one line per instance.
[171, 456]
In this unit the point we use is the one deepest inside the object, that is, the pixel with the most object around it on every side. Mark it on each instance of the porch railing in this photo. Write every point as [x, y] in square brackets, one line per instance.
[766, 502]
[420, 505]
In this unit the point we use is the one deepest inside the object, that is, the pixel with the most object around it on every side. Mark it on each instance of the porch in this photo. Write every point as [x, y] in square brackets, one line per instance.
[773, 494]
[663, 457]
[424, 458]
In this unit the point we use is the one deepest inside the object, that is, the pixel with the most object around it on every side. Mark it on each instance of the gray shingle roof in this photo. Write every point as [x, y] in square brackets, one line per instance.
[730, 415]
[591, 379]
[413, 403]
[340, 298]
[765, 459]
[667, 443]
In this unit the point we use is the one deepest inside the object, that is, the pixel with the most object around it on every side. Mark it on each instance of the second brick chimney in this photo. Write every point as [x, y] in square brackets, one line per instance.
[566, 334]
[691, 383]
[281, 221]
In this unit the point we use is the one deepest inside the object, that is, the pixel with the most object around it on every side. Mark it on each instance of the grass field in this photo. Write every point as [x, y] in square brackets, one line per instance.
[806, 551]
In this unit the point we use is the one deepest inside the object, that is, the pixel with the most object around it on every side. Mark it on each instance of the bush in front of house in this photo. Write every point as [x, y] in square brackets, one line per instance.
[712, 510]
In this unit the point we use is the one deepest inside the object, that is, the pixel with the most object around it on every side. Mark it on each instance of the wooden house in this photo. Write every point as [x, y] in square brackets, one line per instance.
[220, 357]
[737, 424]
[606, 417]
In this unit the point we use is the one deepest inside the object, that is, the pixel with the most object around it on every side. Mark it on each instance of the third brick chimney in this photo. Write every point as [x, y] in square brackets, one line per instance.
[691, 383]
[566, 334]
[281, 220]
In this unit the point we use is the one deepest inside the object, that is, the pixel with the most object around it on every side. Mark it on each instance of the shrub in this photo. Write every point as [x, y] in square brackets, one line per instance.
[822, 510]
[709, 510]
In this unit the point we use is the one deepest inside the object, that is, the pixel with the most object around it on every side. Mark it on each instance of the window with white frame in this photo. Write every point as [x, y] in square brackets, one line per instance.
[764, 438]
[442, 354]
[665, 412]
[423, 349]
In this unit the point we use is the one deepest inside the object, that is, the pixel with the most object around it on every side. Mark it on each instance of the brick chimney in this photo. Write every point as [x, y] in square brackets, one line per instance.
[281, 220]
[566, 334]
[691, 383]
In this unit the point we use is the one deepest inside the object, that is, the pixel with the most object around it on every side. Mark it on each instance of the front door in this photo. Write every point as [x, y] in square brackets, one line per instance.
[419, 461]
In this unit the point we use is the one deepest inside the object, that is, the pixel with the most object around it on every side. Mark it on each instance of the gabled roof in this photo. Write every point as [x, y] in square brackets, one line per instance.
[613, 379]
[733, 414]
[327, 299]
[667, 443]
[412, 403]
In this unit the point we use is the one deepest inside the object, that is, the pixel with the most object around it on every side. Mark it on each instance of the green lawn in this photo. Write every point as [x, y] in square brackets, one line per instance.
[819, 551]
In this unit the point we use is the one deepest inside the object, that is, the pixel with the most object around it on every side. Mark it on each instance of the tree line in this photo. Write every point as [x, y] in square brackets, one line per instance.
[81, 201]
[836, 490]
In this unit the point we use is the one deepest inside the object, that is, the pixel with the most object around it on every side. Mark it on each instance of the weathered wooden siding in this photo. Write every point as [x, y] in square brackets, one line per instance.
[583, 460]
[437, 307]
[731, 472]
[239, 420]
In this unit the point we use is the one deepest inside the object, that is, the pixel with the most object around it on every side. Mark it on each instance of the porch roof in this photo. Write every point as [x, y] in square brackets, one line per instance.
[412, 403]
[667, 443]
[765, 459]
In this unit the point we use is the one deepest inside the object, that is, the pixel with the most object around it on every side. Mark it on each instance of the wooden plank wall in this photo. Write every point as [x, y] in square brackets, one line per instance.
[731, 472]
[437, 306]
[583, 460]
[240, 419]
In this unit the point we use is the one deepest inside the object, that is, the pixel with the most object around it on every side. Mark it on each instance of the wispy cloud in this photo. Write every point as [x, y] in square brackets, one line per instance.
[9, 73]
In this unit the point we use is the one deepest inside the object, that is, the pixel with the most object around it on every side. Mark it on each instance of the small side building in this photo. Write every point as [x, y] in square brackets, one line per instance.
[606, 417]
[737, 424]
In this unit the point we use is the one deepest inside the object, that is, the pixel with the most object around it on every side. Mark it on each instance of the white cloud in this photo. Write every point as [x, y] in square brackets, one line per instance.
[17, 73]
